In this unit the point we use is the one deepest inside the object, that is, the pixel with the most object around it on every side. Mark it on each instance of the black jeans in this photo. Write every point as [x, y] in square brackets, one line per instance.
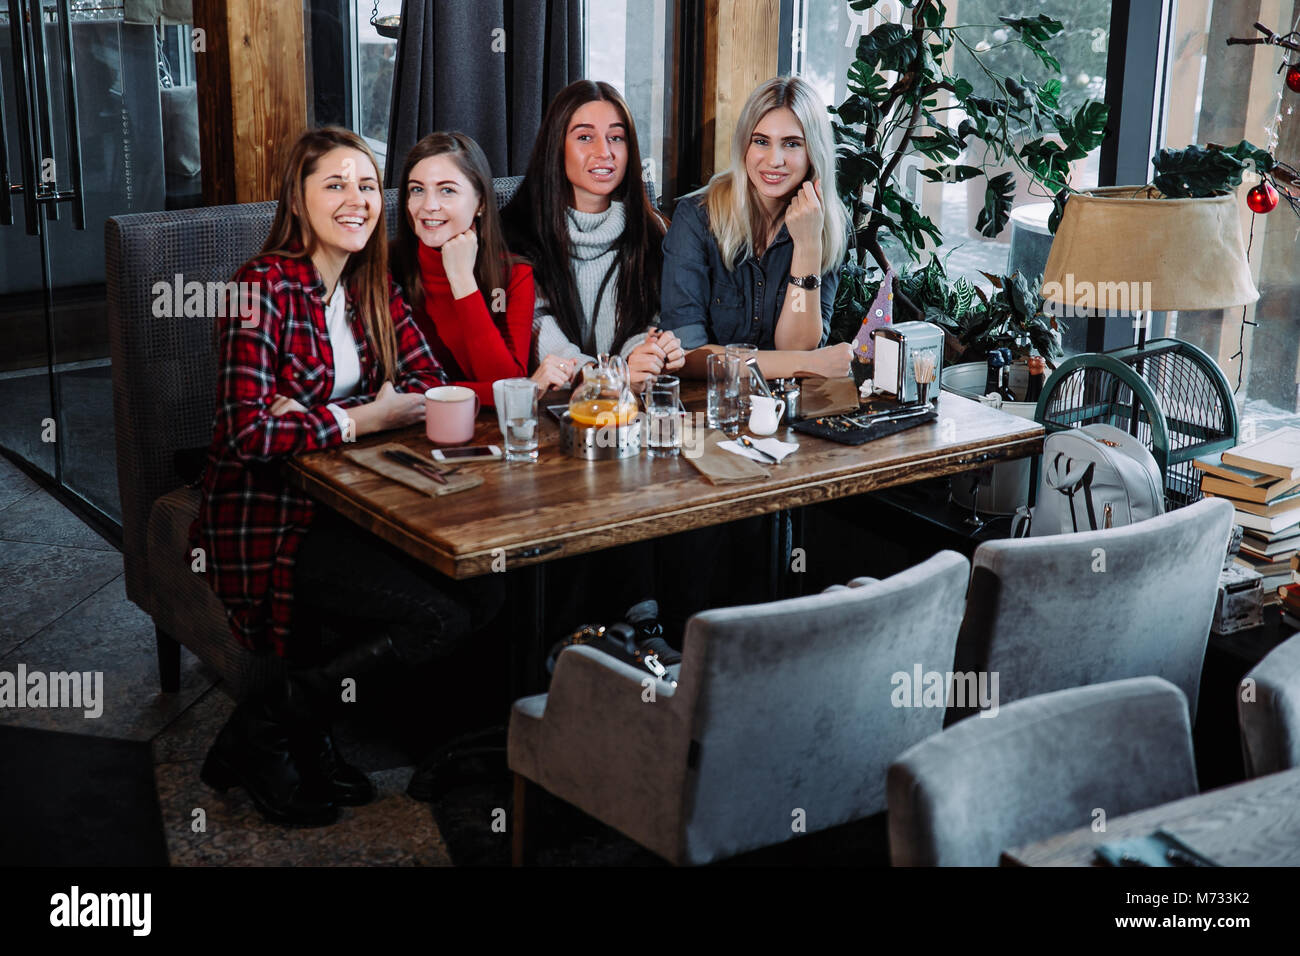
[347, 580]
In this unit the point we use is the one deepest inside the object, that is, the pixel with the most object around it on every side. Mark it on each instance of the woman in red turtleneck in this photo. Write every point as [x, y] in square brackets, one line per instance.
[473, 303]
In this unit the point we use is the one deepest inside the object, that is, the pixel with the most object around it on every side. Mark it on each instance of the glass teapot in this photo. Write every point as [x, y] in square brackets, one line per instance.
[604, 397]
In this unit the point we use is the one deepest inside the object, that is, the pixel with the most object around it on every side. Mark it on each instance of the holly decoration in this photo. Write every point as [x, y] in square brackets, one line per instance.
[1293, 78]
[1262, 198]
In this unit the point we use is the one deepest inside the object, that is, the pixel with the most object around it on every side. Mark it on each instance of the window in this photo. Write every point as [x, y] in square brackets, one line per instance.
[1221, 94]
[824, 37]
[630, 44]
[374, 59]
[350, 67]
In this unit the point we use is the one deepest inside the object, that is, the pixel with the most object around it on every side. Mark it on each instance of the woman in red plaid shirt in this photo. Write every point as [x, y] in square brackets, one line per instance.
[324, 351]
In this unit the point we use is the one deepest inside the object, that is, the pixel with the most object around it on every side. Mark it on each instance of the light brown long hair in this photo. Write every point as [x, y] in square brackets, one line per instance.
[366, 272]
[493, 264]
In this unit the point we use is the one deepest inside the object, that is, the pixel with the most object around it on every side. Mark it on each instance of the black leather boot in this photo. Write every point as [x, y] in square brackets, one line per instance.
[258, 750]
[315, 692]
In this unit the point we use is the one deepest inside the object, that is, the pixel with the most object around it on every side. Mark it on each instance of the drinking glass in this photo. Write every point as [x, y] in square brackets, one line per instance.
[744, 351]
[663, 417]
[723, 410]
[519, 398]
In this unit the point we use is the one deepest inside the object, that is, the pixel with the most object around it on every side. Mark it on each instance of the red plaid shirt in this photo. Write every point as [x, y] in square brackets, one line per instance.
[251, 522]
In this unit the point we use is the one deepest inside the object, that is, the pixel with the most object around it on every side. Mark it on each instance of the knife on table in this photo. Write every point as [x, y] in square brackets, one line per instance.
[410, 461]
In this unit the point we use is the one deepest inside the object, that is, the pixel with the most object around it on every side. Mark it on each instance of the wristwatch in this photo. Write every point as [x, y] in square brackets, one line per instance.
[806, 282]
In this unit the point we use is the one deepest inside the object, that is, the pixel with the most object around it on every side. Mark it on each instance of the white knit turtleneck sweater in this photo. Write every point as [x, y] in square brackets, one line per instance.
[592, 236]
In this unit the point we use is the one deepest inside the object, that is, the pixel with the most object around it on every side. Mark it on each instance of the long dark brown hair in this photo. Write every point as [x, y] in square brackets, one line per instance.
[366, 272]
[492, 266]
[537, 225]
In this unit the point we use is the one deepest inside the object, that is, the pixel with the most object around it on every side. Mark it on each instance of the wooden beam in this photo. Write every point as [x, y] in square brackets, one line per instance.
[252, 94]
[742, 42]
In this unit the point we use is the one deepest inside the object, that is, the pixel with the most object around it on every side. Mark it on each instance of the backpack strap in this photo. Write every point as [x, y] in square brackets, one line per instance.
[1069, 478]
[1084, 484]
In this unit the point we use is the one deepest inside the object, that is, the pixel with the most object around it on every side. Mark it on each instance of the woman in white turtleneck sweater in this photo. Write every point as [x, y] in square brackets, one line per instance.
[582, 219]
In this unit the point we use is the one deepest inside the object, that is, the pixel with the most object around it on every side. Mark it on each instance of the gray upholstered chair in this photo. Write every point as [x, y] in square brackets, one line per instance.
[1270, 722]
[1042, 766]
[164, 394]
[780, 708]
[1073, 609]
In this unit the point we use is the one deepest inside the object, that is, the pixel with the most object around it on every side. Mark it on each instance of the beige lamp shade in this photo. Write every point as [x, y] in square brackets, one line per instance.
[1123, 248]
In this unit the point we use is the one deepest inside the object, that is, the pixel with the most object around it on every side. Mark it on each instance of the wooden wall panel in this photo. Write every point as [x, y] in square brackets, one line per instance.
[742, 43]
[252, 94]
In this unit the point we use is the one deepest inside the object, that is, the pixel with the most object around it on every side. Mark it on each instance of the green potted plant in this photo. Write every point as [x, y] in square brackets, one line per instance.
[895, 107]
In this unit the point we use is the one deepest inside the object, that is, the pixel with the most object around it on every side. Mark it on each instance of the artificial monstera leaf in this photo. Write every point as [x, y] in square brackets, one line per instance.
[1058, 210]
[1033, 31]
[887, 47]
[998, 194]
[1084, 131]
[1048, 161]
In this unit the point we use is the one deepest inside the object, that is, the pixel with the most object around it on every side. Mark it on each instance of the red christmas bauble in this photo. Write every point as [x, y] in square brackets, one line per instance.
[1262, 198]
[1293, 78]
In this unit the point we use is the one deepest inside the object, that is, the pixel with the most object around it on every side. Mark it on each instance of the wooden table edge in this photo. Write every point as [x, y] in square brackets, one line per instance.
[847, 481]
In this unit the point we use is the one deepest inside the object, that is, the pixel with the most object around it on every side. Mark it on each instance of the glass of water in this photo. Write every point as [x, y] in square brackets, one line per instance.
[519, 401]
[723, 410]
[744, 351]
[663, 417]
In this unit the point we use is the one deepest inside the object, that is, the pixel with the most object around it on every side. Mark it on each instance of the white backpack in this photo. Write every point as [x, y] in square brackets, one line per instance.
[1092, 477]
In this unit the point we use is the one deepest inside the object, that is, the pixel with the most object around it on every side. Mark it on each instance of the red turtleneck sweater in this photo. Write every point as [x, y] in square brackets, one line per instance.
[476, 346]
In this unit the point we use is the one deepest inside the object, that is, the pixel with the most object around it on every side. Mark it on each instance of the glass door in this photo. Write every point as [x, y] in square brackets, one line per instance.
[105, 125]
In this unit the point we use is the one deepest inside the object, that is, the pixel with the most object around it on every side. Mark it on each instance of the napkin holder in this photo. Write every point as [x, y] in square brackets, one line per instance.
[896, 349]
[599, 442]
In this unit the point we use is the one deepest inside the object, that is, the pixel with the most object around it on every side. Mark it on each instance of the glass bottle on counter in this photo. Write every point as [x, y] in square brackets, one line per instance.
[993, 378]
[997, 379]
[1037, 375]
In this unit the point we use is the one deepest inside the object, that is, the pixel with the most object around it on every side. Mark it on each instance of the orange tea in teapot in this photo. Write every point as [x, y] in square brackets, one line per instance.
[601, 411]
[603, 398]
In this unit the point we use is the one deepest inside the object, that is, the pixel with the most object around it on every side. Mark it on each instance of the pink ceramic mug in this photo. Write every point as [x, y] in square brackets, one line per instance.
[449, 413]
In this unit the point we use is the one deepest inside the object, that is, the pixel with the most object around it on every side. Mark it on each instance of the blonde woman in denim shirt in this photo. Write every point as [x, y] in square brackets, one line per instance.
[755, 256]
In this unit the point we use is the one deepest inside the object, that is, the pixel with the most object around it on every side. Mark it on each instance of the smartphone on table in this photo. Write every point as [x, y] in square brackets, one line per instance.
[467, 453]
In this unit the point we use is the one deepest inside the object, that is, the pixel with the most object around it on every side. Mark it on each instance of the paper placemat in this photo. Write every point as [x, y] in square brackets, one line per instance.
[720, 467]
[828, 396]
[373, 458]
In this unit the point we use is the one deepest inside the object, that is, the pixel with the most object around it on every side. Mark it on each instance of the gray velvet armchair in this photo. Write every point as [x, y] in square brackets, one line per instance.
[1269, 714]
[1042, 766]
[164, 394]
[1072, 609]
[784, 713]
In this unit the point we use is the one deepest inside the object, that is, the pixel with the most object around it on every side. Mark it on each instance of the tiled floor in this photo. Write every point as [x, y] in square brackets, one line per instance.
[63, 607]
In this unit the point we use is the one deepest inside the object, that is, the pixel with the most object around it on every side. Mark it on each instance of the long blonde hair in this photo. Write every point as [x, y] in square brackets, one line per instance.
[366, 272]
[735, 216]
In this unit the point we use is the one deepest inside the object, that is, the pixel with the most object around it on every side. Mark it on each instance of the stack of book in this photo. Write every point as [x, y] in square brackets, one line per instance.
[1262, 480]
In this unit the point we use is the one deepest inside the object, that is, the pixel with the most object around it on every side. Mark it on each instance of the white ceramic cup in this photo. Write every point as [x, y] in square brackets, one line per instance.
[449, 412]
[765, 414]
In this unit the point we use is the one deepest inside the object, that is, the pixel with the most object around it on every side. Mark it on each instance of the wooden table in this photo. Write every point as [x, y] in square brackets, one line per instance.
[1256, 823]
[560, 506]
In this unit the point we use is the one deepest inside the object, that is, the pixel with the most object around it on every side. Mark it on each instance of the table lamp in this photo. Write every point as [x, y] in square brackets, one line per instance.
[1126, 249]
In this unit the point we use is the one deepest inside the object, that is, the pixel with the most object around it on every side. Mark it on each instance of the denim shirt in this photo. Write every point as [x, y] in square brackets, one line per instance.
[702, 303]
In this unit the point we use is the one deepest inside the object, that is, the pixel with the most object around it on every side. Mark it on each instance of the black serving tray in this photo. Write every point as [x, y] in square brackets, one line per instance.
[846, 429]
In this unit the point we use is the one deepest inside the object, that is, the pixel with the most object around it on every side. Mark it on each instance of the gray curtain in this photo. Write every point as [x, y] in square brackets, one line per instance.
[451, 74]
